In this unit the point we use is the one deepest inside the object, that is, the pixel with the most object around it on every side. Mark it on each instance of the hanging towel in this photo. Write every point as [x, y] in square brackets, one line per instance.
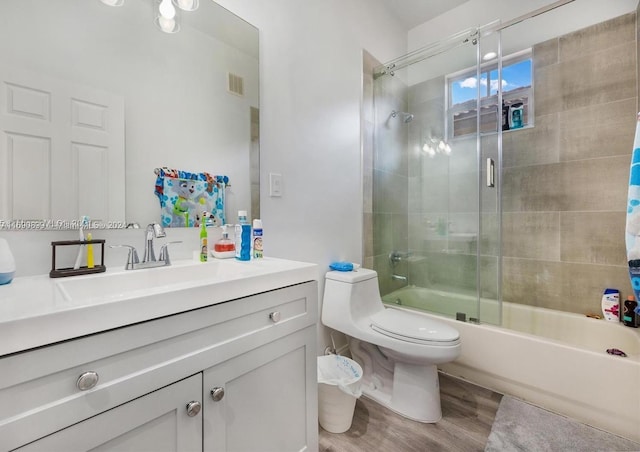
[633, 217]
[184, 196]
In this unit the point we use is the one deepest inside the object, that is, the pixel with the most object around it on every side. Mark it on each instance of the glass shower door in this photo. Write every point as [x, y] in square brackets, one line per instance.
[434, 220]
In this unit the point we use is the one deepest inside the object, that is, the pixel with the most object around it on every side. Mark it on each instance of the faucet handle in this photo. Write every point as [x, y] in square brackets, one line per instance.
[164, 252]
[132, 257]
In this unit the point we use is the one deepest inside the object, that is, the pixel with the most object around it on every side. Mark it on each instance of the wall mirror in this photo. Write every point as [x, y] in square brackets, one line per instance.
[95, 97]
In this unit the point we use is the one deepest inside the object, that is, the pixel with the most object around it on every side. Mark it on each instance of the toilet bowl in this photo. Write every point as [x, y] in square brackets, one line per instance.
[398, 350]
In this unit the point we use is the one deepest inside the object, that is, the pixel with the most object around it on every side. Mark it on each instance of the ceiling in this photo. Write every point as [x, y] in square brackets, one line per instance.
[411, 13]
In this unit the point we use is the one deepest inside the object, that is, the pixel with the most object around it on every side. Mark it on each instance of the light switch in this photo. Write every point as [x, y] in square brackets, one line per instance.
[275, 185]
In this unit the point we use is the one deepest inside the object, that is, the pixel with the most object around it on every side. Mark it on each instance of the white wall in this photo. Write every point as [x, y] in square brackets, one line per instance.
[310, 93]
[311, 70]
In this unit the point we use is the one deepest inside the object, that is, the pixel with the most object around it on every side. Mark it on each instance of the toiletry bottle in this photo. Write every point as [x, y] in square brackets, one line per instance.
[634, 276]
[257, 239]
[516, 116]
[611, 305]
[629, 317]
[203, 238]
[224, 248]
[243, 237]
[505, 116]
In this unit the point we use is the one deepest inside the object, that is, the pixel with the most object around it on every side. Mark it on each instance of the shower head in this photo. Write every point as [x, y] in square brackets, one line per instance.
[406, 117]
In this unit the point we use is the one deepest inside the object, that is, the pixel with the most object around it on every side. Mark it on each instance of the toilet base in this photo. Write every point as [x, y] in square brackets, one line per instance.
[416, 392]
[410, 390]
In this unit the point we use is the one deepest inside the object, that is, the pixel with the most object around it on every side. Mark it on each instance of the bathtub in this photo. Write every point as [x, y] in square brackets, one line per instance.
[552, 359]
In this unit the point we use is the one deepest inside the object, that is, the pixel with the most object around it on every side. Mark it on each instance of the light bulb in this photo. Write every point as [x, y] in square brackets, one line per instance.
[167, 10]
[489, 56]
[428, 150]
[187, 5]
[167, 25]
[113, 2]
[447, 149]
[441, 145]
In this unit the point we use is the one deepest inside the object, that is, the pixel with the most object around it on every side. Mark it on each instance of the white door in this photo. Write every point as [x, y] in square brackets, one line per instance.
[156, 422]
[61, 149]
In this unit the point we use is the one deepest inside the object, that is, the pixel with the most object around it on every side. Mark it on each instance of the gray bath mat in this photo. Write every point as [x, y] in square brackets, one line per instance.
[522, 427]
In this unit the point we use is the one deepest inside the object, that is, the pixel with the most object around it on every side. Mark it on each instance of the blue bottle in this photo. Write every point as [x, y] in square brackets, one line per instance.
[243, 237]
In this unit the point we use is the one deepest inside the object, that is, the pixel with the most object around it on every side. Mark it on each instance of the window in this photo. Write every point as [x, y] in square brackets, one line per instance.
[517, 97]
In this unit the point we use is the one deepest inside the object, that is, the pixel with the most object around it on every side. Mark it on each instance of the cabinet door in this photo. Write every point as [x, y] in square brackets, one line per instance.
[269, 401]
[155, 422]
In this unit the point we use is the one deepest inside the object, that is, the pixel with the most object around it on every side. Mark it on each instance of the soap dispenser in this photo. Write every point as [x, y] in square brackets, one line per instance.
[224, 248]
[7, 263]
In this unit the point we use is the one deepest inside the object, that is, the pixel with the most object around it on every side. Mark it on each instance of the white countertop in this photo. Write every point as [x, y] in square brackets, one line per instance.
[36, 311]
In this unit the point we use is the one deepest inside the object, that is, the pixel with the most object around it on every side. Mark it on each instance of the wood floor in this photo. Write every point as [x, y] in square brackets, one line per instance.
[467, 415]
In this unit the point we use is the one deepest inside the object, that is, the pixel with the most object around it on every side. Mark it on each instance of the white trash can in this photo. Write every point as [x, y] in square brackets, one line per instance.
[338, 389]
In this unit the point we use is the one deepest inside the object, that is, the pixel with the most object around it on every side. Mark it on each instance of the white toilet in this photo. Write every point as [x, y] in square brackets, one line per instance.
[398, 350]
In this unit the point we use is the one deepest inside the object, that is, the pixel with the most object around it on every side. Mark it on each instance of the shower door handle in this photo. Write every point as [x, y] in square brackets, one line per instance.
[491, 172]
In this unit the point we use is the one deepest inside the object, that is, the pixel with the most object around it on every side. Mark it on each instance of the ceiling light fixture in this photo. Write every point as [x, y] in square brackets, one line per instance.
[433, 146]
[167, 18]
[489, 56]
[187, 5]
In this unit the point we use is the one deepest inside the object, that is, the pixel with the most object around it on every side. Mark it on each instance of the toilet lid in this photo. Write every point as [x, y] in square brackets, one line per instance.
[413, 327]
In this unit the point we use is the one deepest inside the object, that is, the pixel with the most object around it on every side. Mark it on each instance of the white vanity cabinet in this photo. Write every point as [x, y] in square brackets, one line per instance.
[159, 422]
[258, 401]
[148, 386]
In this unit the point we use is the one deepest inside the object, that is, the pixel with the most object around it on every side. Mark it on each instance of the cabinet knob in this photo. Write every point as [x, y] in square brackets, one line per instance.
[275, 316]
[87, 380]
[193, 408]
[217, 393]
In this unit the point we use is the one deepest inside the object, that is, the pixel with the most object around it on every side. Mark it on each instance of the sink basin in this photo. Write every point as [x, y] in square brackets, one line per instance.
[161, 279]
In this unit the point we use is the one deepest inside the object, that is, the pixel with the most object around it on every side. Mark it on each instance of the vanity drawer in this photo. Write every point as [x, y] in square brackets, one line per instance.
[41, 391]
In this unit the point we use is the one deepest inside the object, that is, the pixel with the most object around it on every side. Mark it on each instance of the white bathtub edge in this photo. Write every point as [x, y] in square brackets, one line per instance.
[562, 379]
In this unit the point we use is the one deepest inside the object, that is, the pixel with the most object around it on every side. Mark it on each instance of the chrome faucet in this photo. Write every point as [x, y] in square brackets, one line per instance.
[398, 256]
[153, 230]
[149, 259]
[394, 258]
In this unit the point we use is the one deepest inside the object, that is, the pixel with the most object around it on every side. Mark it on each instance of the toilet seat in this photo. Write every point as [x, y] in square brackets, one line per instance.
[414, 328]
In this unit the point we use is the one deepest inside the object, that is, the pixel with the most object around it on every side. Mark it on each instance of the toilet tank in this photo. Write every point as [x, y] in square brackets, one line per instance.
[350, 298]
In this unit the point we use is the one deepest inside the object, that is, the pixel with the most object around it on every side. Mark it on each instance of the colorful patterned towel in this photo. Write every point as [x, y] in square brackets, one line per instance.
[184, 196]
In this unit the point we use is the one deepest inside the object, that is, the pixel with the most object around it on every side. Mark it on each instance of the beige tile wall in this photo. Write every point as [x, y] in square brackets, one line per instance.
[565, 180]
